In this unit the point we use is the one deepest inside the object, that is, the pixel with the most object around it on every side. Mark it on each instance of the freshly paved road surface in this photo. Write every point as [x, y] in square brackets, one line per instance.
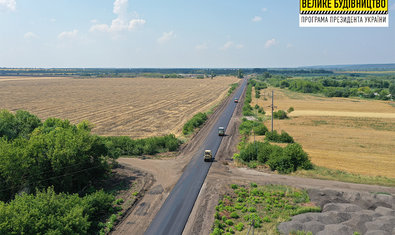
[174, 213]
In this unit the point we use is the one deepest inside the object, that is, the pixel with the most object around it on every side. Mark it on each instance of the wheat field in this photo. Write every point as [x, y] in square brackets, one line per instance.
[135, 107]
[353, 135]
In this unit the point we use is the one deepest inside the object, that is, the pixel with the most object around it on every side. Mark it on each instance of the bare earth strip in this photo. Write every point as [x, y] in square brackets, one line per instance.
[136, 107]
[353, 135]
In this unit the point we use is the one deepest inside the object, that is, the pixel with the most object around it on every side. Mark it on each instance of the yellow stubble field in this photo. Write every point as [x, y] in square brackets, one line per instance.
[353, 135]
[135, 107]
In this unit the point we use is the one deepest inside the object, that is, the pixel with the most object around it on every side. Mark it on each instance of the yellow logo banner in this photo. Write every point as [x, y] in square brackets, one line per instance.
[343, 5]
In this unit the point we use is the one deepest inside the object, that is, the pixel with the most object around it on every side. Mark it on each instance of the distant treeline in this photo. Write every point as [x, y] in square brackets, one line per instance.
[378, 87]
[152, 72]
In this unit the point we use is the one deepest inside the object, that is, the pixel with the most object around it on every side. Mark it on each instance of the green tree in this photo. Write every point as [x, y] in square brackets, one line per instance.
[49, 213]
[392, 90]
[8, 125]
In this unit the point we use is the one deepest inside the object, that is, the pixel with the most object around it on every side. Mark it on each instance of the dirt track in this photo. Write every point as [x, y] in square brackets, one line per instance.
[222, 173]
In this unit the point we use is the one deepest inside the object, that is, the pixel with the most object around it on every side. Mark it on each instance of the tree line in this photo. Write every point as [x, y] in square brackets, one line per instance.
[373, 87]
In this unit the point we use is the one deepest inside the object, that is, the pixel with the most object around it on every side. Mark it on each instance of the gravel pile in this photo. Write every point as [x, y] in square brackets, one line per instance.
[346, 213]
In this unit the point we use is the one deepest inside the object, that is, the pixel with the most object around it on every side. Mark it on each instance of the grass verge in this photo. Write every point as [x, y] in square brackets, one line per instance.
[232, 88]
[319, 172]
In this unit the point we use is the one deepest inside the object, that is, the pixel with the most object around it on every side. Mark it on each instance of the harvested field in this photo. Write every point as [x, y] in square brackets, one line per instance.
[353, 135]
[136, 107]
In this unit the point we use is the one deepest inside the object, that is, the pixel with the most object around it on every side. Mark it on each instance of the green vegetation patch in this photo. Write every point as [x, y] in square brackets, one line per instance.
[195, 122]
[284, 137]
[232, 88]
[124, 145]
[51, 153]
[372, 86]
[47, 212]
[284, 160]
[280, 114]
[247, 126]
[263, 207]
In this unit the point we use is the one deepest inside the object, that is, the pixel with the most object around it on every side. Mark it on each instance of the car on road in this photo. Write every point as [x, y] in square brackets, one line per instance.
[236, 100]
[221, 131]
[208, 156]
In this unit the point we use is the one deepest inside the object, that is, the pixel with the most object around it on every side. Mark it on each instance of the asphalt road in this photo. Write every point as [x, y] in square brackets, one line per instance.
[173, 215]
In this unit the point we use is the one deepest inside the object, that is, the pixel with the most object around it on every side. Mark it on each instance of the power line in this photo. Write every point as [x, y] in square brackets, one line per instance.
[54, 177]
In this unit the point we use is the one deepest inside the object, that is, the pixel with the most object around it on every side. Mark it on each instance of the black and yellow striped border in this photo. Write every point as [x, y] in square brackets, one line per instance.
[344, 12]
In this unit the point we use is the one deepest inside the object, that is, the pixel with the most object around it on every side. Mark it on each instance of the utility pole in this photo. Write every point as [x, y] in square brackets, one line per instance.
[272, 107]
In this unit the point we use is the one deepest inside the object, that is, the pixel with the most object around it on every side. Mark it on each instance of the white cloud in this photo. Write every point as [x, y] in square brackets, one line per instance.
[123, 22]
[93, 21]
[30, 35]
[227, 45]
[231, 44]
[264, 9]
[68, 35]
[270, 43]
[100, 28]
[256, 19]
[120, 7]
[289, 45]
[52, 20]
[8, 5]
[135, 23]
[239, 46]
[166, 36]
[202, 46]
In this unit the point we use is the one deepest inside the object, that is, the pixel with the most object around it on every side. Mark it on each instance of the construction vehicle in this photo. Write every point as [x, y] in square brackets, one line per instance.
[221, 131]
[236, 100]
[208, 156]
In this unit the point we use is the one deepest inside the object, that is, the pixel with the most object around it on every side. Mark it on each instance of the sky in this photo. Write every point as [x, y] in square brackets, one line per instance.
[181, 34]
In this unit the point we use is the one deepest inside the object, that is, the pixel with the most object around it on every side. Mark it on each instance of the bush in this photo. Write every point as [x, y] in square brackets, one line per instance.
[281, 163]
[280, 114]
[252, 209]
[124, 145]
[284, 160]
[239, 227]
[260, 128]
[275, 137]
[229, 222]
[260, 110]
[298, 157]
[257, 94]
[290, 160]
[232, 88]
[291, 109]
[234, 215]
[195, 122]
[247, 126]
[247, 109]
[48, 212]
